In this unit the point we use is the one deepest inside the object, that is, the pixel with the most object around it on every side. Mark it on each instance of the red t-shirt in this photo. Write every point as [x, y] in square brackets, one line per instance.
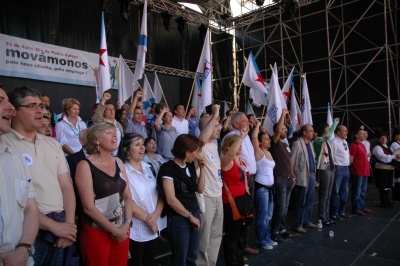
[235, 181]
[360, 166]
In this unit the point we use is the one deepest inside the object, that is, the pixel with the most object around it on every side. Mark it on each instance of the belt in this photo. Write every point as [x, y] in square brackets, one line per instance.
[311, 171]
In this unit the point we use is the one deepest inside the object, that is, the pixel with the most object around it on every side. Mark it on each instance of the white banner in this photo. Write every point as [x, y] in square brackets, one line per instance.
[35, 60]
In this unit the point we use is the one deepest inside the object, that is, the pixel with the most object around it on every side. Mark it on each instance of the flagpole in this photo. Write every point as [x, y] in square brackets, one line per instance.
[165, 100]
[238, 95]
[190, 96]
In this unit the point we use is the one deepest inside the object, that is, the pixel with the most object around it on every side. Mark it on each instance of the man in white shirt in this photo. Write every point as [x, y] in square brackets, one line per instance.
[213, 217]
[179, 122]
[19, 221]
[341, 159]
[240, 121]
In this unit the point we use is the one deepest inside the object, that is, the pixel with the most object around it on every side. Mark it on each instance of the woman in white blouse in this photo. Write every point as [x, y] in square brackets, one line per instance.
[67, 133]
[143, 185]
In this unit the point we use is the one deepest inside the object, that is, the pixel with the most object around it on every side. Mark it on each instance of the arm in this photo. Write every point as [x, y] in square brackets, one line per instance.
[258, 153]
[201, 181]
[62, 138]
[138, 94]
[332, 128]
[208, 129]
[98, 115]
[176, 205]
[280, 125]
[385, 158]
[157, 125]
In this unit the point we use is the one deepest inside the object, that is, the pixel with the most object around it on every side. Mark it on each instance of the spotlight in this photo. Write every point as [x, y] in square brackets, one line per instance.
[260, 2]
[166, 20]
[181, 25]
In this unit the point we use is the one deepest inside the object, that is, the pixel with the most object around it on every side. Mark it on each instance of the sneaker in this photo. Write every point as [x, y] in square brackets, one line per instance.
[276, 237]
[286, 234]
[300, 230]
[336, 218]
[267, 247]
[273, 243]
[345, 215]
[367, 211]
[359, 213]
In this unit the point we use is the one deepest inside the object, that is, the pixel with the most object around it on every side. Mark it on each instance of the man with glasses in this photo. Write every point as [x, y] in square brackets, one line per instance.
[341, 159]
[51, 180]
[19, 214]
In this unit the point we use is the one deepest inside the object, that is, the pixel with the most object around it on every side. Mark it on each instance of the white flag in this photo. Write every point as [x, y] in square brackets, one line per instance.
[158, 92]
[142, 47]
[259, 98]
[226, 108]
[126, 82]
[286, 90]
[294, 111]
[104, 67]
[203, 95]
[275, 104]
[196, 97]
[252, 76]
[329, 120]
[148, 96]
[306, 117]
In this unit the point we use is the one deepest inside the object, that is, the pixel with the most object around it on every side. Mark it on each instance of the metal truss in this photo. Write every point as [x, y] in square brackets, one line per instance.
[215, 16]
[163, 70]
[269, 33]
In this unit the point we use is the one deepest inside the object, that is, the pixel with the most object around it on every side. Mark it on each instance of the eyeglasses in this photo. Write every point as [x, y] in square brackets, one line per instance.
[345, 146]
[33, 106]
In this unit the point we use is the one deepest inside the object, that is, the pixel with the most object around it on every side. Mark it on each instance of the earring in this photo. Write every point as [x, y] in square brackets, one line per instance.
[97, 148]
[128, 157]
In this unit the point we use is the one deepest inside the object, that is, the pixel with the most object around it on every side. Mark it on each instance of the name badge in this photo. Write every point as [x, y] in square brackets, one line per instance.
[28, 159]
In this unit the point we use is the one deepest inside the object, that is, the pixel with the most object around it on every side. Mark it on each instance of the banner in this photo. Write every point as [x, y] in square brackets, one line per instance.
[35, 60]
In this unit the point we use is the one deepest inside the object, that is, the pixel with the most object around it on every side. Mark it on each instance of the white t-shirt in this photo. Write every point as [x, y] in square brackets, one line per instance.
[212, 170]
[182, 127]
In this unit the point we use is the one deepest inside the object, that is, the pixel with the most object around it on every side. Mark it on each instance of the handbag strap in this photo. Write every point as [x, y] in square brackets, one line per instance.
[245, 180]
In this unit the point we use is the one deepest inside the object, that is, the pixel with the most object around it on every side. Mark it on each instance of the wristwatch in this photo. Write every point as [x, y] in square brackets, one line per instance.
[29, 247]
[128, 221]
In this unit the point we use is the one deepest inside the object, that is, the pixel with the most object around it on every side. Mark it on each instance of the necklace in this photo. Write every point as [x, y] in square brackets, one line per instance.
[73, 129]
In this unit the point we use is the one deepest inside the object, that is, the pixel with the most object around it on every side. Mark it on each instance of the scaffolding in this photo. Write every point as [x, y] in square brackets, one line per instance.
[359, 68]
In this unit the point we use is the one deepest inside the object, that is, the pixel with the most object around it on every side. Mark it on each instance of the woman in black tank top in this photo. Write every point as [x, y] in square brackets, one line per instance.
[105, 196]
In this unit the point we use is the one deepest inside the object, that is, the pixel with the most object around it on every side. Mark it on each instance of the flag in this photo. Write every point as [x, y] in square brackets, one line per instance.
[329, 120]
[288, 86]
[196, 98]
[104, 69]
[157, 89]
[202, 95]
[142, 47]
[226, 108]
[252, 76]
[249, 109]
[306, 117]
[126, 83]
[148, 96]
[275, 104]
[294, 111]
[259, 98]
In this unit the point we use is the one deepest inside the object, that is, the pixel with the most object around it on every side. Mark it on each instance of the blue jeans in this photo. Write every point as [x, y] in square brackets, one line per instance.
[305, 201]
[283, 188]
[47, 254]
[359, 189]
[184, 240]
[264, 207]
[340, 190]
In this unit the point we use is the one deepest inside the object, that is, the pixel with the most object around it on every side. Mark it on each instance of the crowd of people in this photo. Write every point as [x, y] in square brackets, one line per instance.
[107, 191]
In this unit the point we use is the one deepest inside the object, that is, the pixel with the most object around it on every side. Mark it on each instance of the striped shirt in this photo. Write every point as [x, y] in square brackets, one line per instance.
[15, 189]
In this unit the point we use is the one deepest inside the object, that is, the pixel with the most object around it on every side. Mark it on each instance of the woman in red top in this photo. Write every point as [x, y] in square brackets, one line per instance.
[233, 171]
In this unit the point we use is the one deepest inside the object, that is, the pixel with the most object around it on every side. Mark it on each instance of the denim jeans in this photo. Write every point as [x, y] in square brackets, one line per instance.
[305, 201]
[283, 187]
[359, 189]
[184, 240]
[47, 254]
[326, 178]
[264, 207]
[340, 190]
